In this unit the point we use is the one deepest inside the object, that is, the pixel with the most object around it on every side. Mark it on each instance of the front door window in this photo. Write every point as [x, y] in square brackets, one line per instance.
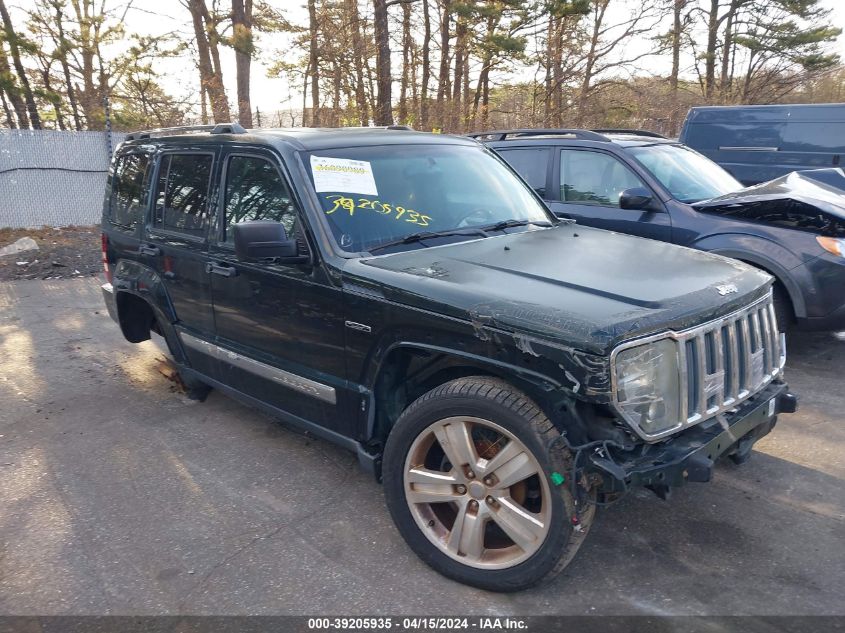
[594, 178]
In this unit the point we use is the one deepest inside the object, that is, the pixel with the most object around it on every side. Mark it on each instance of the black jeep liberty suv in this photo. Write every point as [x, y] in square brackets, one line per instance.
[410, 298]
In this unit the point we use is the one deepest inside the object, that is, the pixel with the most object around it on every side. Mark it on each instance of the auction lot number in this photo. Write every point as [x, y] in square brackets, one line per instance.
[417, 624]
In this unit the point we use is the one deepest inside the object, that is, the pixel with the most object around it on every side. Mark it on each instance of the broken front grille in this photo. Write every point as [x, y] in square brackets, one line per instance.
[720, 364]
[726, 361]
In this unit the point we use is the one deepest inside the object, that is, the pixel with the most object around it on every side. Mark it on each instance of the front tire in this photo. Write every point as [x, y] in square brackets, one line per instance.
[474, 489]
[784, 313]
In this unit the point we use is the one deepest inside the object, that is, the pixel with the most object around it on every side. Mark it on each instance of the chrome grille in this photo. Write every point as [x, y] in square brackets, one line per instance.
[722, 363]
[726, 361]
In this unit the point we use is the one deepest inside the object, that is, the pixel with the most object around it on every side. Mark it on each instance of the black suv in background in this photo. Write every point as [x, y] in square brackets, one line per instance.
[640, 183]
[408, 297]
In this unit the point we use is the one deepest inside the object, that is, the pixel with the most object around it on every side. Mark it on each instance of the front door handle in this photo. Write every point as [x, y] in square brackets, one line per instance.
[149, 249]
[223, 270]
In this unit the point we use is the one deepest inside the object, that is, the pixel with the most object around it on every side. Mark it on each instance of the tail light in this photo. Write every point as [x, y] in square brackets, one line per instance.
[105, 242]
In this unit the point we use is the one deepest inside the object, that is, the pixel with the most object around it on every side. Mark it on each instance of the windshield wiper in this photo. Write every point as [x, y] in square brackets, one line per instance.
[425, 235]
[507, 224]
[480, 231]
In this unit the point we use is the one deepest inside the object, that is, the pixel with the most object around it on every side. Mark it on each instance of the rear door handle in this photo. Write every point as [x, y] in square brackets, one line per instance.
[223, 270]
[149, 249]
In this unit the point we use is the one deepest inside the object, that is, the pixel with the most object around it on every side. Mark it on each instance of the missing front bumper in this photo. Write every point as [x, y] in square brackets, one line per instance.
[691, 455]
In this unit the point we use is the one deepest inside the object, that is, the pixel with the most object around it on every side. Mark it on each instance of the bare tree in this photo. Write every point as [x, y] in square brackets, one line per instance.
[211, 73]
[243, 44]
[314, 63]
[384, 80]
[358, 54]
[12, 39]
[426, 66]
[9, 87]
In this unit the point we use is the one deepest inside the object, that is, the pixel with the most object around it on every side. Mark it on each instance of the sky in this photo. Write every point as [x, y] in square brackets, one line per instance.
[273, 94]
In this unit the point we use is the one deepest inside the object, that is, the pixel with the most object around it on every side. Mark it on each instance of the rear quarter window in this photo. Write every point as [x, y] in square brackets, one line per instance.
[128, 193]
[181, 199]
[530, 163]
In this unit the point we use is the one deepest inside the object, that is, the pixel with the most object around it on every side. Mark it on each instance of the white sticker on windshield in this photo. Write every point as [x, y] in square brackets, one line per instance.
[343, 175]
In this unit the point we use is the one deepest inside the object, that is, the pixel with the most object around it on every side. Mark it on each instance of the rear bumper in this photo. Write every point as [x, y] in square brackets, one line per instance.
[109, 298]
[691, 455]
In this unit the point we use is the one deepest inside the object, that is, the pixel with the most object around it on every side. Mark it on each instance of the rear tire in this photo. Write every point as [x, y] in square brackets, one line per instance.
[468, 480]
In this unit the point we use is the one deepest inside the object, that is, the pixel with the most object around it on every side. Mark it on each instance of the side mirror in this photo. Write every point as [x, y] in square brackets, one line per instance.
[262, 239]
[635, 198]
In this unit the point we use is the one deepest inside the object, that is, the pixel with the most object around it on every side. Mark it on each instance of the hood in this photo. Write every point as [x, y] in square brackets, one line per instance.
[810, 200]
[577, 286]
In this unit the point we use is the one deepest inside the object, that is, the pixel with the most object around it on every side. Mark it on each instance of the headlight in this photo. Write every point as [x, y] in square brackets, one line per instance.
[648, 389]
[832, 245]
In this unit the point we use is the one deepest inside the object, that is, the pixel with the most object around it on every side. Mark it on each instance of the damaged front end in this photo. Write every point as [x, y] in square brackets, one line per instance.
[812, 200]
[688, 398]
[691, 455]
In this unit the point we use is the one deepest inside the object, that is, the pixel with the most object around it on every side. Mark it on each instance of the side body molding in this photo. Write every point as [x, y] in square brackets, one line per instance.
[285, 378]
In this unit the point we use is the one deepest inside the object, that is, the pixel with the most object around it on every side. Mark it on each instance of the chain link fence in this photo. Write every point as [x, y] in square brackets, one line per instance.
[53, 178]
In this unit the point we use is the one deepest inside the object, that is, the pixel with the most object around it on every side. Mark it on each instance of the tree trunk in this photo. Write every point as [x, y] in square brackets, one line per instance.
[557, 74]
[727, 52]
[10, 121]
[243, 45]
[589, 66]
[710, 52]
[455, 123]
[336, 80]
[482, 89]
[465, 101]
[45, 77]
[443, 86]
[217, 88]
[203, 104]
[358, 57]
[676, 46]
[64, 45]
[14, 96]
[88, 99]
[384, 113]
[12, 40]
[313, 64]
[211, 78]
[426, 67]
[551, 34]
[407, 43]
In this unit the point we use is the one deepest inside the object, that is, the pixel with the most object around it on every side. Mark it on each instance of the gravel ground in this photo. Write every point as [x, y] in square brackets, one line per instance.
[63, 253]
[120, 496]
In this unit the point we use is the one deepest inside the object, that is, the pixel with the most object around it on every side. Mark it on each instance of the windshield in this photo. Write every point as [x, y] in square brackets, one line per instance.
[379, 194]
[689, 176]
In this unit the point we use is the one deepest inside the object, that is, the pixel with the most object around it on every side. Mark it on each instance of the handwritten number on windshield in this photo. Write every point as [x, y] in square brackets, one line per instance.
[349, 204]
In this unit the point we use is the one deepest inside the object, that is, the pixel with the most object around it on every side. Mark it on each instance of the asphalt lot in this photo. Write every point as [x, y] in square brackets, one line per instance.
[119, 496]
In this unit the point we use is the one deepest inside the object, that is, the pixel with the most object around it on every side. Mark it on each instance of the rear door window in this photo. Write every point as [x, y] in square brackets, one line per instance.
[181, 199]
[128, 194]
[594, 178]
[530, 163]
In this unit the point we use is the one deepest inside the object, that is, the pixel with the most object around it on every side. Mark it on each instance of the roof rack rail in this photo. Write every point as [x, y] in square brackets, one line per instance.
[219, 128]
[629, 131]
[502, 135]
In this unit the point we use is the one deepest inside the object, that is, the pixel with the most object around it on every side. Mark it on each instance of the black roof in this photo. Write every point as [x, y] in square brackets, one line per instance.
[301, 138]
